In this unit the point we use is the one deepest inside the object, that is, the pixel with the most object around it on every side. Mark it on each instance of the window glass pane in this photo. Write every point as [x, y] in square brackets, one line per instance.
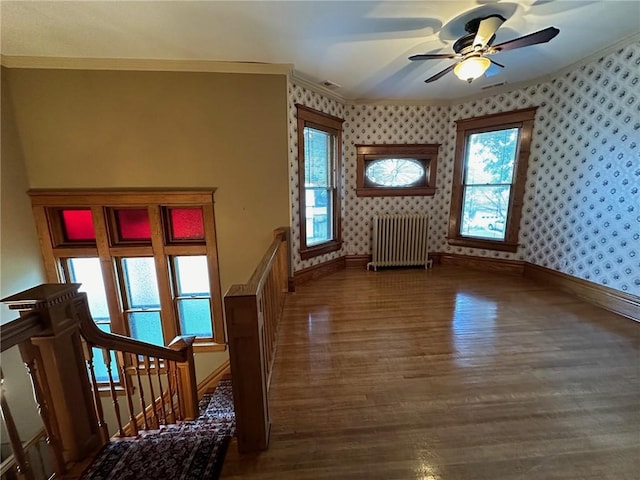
[146, 326]
[195, 317]
[140, 282]
[491, 157]
[133, 224]
[78, 225]
[192, 280]
[318, 211]
[87, 272]
[186, 223]
[192, 275]
[99, 367]
[484, 211]
[395, 172]
[317, 158]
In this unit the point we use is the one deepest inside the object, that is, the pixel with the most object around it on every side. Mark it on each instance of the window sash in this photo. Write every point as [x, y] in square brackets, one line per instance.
[312, 227]
[324, 160]
[511, 162]
[183, 270]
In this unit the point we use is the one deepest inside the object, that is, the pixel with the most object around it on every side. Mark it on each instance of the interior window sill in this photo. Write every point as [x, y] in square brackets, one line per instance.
[484, 244]
[209, 346]
[395, 192]
[321, 249]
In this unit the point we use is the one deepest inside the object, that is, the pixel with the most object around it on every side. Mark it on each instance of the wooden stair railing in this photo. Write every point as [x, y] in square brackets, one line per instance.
[253, 311]
[57, 337]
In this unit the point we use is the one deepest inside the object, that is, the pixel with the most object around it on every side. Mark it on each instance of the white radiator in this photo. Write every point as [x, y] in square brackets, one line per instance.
[400, 240]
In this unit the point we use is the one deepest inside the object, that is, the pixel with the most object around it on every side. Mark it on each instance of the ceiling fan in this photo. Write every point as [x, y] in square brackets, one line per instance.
[472, 49]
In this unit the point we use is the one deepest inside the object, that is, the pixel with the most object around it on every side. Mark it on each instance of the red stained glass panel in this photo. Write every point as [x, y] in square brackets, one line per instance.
[78, 225]
[186, 224]
[133, 224]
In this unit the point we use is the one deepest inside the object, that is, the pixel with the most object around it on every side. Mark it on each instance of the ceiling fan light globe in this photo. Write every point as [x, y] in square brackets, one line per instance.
[471, 68]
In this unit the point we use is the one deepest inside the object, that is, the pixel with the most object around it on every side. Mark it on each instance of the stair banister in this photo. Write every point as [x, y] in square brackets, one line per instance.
[53, 332]
[253, 312]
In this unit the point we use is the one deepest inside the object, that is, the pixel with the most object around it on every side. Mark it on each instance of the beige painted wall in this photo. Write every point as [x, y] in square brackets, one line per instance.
[20, 259]
[108, 129]
[20, 265]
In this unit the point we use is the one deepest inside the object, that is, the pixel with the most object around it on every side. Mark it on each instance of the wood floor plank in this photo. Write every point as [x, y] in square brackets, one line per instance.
[448, 374]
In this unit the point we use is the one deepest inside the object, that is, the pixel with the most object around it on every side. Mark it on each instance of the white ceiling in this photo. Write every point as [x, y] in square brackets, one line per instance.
[361, 45]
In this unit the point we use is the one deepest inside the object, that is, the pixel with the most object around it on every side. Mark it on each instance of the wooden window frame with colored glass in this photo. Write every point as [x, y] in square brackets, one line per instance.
[332, 126]
[426, 155]
[111, 248]
[522, 120]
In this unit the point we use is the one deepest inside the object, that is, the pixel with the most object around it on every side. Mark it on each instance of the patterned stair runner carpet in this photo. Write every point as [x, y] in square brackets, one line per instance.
[186, 451]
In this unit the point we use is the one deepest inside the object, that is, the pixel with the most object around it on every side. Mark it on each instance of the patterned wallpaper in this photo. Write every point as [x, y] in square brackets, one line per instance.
[581, 214]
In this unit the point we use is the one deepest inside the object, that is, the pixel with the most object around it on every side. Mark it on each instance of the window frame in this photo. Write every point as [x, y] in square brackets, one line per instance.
[522, 119]
[426, 154]
[308, 117]
[46, 205]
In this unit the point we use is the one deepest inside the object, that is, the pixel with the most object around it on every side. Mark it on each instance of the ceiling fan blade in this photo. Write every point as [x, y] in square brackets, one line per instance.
[432, 56]
[440, 74]
[541, 36]
[487, 29]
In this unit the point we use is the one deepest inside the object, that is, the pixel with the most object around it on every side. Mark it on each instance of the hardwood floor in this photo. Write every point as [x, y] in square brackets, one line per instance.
[448, 374]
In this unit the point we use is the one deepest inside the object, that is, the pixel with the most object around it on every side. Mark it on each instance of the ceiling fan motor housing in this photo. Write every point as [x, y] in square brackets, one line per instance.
[464, 45]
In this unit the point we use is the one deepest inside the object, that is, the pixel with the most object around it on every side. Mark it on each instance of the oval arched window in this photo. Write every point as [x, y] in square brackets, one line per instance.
[394, 172]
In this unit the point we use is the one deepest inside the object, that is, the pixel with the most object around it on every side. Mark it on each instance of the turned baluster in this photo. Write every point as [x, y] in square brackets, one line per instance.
[106, 353]
[172, 414]
[136, 362]
[162, 407]
[126, 383]
[23, 467]
[147, 365]
[104, 430]
[174, 371]
[31, 359]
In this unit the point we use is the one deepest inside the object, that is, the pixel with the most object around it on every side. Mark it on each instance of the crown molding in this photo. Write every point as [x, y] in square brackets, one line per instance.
[144, 64]
[425, 102]
[301, 81]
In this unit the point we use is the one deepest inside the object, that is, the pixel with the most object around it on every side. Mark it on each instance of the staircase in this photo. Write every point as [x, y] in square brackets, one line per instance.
[147, 393]
[192, 449]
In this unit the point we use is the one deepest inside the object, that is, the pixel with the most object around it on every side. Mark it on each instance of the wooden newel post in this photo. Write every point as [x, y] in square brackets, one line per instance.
[245, 329]
[187, 386]
[63, 367]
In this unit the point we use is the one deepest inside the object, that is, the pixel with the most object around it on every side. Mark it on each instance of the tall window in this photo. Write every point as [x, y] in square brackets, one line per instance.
[319, 162]
[146, 259]
[490, 169]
